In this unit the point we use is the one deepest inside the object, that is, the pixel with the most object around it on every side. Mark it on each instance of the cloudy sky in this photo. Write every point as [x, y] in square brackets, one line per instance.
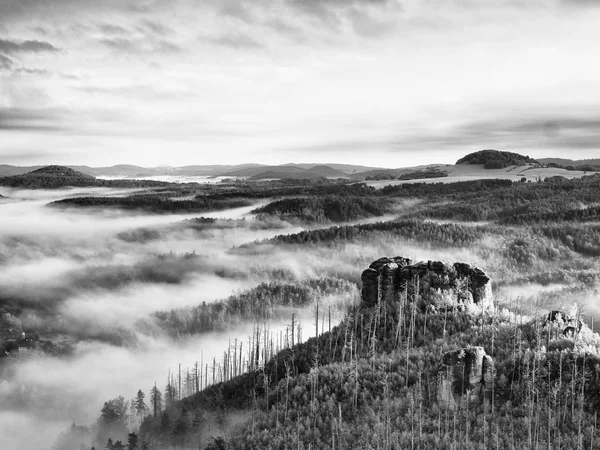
[378, 82]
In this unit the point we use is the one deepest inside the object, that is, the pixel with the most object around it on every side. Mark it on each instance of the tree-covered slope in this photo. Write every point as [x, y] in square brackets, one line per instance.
[495, 159]
[374, 382]
[331, 208]
[56, 177]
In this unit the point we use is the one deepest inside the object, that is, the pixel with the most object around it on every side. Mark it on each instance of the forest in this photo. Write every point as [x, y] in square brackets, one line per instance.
[247, 330]
[323, 209]
[152, 203]
[494, 159]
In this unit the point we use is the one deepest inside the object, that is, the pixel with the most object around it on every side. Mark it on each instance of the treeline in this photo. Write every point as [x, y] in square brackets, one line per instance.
[288, 187]
[323, 209]
[56, 177]
[583, 239]
[420, 231]
[432, 190]
[564, 214]
[266, 301]
[494, 159]
[415, 175]
[501, 200]
[157, 204]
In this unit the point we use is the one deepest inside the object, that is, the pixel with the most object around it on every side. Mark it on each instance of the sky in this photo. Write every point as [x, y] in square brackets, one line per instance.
[388, 83]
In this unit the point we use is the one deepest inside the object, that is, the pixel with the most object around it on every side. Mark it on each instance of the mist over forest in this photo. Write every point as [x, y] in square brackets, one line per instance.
[101, 301]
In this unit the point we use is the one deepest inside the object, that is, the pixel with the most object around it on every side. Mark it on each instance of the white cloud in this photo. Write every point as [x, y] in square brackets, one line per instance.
[269, 81]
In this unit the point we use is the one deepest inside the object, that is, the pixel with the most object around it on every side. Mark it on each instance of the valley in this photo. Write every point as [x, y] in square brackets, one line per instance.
[241, 305]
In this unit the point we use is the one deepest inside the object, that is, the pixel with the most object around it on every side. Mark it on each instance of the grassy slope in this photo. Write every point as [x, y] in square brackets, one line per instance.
[466, 172]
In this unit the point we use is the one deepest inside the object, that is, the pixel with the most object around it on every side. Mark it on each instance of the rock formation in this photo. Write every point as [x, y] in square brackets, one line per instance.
[465, 375]
[562, 323]
[432, 283]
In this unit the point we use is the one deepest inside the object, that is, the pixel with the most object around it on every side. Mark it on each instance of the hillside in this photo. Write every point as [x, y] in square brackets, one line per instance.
[425, 361]
[242, 170]
[49, 177]
[289, 171]
[495, 159]
[57, 177]
[570, 164]
[325, 209]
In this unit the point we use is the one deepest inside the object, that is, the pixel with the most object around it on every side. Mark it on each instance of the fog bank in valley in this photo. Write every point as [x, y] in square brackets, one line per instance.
[80, 278]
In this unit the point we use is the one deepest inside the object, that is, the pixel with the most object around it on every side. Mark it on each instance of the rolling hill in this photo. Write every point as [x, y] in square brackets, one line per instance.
[496, 159]
[50, 177]
[291, 171]
[56, 177]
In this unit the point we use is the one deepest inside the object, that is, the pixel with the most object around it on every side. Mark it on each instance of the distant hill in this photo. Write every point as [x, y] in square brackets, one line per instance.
[287, 171]
[405, 173]
[7, 170]
[567, 162]
[327, 171]
[49, 177]
[495, 159]
[333, 170]
[570, 164]
[345, 168]
[58, 171]
[56, 177]
[256, 170]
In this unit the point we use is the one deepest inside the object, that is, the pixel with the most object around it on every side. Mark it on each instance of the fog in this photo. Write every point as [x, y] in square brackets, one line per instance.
[88, 278]
[92, 279]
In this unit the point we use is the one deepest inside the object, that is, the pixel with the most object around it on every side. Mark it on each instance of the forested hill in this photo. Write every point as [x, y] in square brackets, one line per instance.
[327, 208]
[56, 177]
[412, 369]
[495, 159]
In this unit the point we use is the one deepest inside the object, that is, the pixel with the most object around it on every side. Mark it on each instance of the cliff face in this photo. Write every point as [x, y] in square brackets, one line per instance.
[465, 375]
[431, 284]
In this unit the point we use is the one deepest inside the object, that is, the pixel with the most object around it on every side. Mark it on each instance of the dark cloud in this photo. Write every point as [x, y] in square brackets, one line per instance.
[33, 46]
[24, 119]
[237, 10]
[139, 45]
[582, 3]
[332, 12]
[581, 134]
[41, 30]
[30, 71]
[155, 28]
[234, 40]
[107, 28]
[280, 26]
[5, 62]
[551, 132]
[121, 44]
[40, 9]
[369, 18]
[543, 132]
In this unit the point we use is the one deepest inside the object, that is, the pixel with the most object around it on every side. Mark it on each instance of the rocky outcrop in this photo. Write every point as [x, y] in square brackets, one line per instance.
[465, 375]
[559, 322]
[432, 283]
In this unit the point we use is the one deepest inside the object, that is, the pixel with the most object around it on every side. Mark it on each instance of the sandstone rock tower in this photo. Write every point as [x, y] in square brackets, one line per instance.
[431, 283]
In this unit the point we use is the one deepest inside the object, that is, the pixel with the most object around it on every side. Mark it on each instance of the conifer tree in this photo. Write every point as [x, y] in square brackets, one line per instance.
[132, 441]
[140, 405]
[156, 400]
